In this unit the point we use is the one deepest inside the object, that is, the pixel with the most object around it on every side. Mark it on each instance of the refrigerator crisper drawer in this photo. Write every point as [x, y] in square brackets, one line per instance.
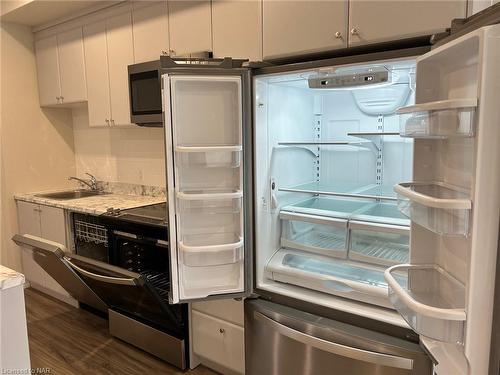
[379, 243]
[432, 301]
[322, 235]
[440, 119]
[283, 340]
[441, 208]
[330, 275]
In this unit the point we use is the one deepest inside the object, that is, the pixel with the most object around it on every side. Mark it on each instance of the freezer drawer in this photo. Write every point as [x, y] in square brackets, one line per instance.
[282, 340]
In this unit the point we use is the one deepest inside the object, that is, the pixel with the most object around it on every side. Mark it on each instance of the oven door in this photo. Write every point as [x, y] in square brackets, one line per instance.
[141, 296]
[145, 94]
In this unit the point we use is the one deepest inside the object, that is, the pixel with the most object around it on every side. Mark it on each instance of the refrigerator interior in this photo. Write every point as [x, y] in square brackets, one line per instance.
[326, 161]
[453, 202]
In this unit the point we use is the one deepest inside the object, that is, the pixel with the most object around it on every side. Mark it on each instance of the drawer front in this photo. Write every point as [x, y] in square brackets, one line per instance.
[226, 309]
[379, 244]
[219, 341]
[321, 235]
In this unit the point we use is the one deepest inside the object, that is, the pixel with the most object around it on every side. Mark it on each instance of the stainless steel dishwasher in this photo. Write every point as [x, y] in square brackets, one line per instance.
[283, 341]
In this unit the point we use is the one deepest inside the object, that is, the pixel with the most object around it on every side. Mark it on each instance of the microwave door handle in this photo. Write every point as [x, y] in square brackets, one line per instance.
[105, 279]
[335, 348]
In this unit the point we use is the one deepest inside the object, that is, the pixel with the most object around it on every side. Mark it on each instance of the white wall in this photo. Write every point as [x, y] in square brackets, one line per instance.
[132, 154]
[36, 144]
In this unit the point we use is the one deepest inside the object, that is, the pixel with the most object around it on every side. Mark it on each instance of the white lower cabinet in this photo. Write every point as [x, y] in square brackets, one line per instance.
[218, 338]
[48, 223]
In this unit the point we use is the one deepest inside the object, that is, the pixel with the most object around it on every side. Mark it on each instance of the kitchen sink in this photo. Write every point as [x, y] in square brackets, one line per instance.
[70, 194]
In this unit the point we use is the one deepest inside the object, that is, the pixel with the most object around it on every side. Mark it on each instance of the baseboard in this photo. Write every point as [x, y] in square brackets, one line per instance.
[69, 300]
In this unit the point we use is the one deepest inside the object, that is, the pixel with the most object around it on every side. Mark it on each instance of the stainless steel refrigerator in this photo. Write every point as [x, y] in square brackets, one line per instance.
[353, 200]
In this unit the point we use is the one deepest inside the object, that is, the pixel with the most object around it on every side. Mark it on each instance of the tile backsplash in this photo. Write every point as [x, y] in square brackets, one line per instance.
[129, 155]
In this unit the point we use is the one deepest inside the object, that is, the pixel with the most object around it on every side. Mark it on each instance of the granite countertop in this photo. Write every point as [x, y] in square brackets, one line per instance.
[94, 205]
[10, 278]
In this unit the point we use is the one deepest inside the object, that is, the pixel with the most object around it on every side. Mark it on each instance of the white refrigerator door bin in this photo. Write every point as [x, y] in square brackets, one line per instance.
[432, 301]
[439, 207]
[206, 110]
[440, 119]
[208, 156]
[211, 249]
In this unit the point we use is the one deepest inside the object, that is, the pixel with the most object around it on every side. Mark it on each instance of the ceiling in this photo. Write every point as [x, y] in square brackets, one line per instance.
[39, 12]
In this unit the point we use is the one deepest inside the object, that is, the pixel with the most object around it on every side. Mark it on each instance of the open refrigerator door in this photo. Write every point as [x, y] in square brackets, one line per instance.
[204, 142]
[453, 202]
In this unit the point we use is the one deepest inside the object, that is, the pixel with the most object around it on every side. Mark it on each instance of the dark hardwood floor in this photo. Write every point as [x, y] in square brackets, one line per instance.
[70, 341]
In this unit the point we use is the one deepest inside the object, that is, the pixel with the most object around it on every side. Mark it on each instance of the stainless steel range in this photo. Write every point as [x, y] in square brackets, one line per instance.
[131, 283]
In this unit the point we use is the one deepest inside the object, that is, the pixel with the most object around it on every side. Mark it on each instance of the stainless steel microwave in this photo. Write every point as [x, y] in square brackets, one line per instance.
[144, 81]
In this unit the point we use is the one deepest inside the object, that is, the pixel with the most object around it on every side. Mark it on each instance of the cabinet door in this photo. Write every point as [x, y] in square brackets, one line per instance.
[49, 87]
[28, 215]
[190, 26]
[379, 21]
[297, 27]
[53, 224]
[237, 29]
[96, 70]
[53, 228]
[120, 55]
[219, 341]
[72, 66]
[150, 27]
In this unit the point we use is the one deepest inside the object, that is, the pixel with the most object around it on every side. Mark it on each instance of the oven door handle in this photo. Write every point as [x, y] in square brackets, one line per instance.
[102, 278]
[335, 348]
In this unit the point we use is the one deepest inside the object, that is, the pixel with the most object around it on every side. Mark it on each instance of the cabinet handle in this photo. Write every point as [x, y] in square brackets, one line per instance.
[338, 35]
[222, 330]
[107, 121]
[112, 122]
[354, 31]
[62, 98]
[172, 52]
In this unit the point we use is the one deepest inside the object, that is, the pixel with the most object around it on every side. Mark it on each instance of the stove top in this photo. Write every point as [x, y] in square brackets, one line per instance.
[155, 214]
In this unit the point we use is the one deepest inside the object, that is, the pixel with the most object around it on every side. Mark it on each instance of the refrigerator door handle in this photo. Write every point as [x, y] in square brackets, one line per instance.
[102, 278]
[335, 348]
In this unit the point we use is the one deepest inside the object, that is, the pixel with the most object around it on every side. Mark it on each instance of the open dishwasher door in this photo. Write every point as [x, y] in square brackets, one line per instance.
[282, 340]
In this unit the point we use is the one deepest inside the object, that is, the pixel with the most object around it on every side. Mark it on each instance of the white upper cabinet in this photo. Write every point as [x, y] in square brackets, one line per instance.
[237, 29]
[379, 21]
[61, 68]
[190, 26]
[120, 55]
[150, 26]
[49, 87]
[96, 67]
[296, 27]
[71, 66]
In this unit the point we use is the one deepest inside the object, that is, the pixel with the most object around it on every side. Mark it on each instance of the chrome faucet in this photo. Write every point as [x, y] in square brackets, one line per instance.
[92, 184]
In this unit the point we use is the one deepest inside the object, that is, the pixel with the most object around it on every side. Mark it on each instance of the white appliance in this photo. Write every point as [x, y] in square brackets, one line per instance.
[330, 184]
